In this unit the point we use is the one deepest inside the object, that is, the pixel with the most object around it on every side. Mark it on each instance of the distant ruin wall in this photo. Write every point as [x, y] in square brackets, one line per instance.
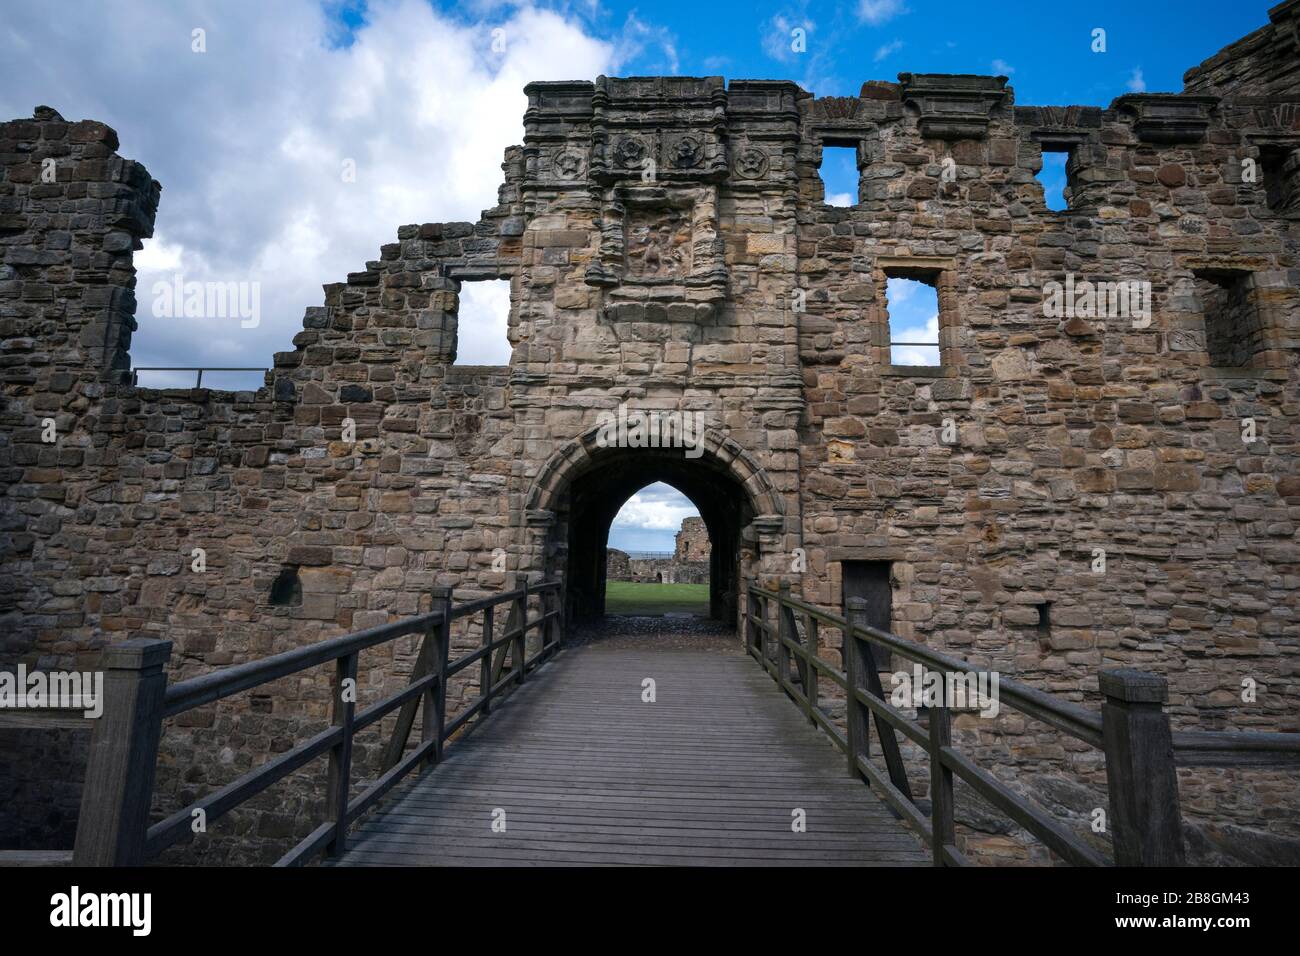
[689, 563]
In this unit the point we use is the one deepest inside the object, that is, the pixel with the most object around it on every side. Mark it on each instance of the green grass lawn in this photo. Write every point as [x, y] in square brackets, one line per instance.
[624, 597]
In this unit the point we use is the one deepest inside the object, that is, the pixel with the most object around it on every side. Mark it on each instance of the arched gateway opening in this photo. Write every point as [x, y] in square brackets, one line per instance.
[584, 485]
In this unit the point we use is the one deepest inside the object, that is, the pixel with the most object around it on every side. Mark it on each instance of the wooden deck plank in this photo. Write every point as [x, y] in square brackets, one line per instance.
[590, 775]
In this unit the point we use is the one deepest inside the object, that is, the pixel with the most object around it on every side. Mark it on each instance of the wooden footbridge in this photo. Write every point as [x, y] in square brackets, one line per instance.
[605, 755]
[581, 769]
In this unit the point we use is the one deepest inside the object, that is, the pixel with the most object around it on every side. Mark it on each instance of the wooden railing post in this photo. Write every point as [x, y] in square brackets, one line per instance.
[943, 830]
[485, 662]
[1145, 821]
[520, 650]
[123, 755]
[784, 632]
[868, 669]
[770, 620]
[857, 660]
[340, 767]
[426, 662]
[435, 698]
[512, 619]
[749, 619]
[809, 670]
[555, 625]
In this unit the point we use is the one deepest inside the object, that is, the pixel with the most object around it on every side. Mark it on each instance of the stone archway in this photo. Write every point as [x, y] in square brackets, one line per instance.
[583, 485]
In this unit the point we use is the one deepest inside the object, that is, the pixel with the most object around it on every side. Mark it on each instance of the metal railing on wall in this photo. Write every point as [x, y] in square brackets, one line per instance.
[198, 381]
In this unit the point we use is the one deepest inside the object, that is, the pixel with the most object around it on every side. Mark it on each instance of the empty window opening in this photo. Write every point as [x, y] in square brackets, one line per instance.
[1054, 176]
[286, 589]
[912, 311]
[1044, 622]
[1279, 168]
[839, 172]
[482, 327]
[1234, 332]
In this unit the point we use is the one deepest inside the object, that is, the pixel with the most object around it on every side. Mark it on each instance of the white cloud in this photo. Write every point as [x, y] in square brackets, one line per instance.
[1003, 68]
[779, 38]
[910, 354]
[249, 139]
[893, 46]
[840, 199]
[901, 291]
[1136, 82]
[482, 323]
[639, 37]
[657, 507]
[877, 12]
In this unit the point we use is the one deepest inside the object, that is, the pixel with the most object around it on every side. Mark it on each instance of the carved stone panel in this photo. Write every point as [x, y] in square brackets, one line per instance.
[658, 243]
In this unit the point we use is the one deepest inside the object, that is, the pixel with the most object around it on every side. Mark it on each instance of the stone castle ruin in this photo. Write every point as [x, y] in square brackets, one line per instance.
[1061, 492]
[687, 564]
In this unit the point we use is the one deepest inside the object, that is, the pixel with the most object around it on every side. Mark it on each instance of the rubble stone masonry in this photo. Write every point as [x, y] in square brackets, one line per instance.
[717, 283]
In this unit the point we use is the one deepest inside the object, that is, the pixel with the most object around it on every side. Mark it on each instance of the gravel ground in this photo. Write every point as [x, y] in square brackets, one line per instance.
[675, 631]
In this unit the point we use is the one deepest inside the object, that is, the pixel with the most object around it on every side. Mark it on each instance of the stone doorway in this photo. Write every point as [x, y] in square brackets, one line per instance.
[583, 487]
[596, 498]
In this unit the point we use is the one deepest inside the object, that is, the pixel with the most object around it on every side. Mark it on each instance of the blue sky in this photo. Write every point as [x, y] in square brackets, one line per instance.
[248, 135]
[651, 519]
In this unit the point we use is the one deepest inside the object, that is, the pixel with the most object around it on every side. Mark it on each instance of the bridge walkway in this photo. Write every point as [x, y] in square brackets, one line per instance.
[576, 769]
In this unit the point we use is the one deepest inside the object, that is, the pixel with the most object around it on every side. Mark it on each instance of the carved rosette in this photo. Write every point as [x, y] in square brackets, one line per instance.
[567, 164]
[630, 152]
[686, 152]
[751, 163]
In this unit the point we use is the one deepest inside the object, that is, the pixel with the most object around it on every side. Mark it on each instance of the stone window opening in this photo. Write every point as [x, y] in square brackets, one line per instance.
[915, 326]
[1279, 167]
[1235, 333]
[839, 173]
[483, 323]
[912, 314]
[1044, 623]
[1055, 175]
[286, 589]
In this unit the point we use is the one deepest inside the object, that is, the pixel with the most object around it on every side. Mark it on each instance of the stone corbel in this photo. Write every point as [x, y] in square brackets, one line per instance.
[539, 518]
[953, 106]
[1167, 117]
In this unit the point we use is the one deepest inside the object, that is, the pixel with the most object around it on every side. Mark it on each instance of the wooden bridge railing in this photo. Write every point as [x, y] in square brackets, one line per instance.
[114, 830]
[1132, 730]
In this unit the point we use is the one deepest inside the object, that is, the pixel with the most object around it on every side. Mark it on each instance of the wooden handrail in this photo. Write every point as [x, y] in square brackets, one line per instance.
[1073, 719]
[1132, 730]
[119, 778]
[227, 681]
[1231, 748]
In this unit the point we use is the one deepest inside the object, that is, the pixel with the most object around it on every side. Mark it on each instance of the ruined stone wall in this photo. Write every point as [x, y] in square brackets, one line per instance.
[618, 566]
[688, 565]
[716, 283]
[665, 571]
[260, 481]
[1072, 435]
[692, 541]
[71, 213]
[1265, 63]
